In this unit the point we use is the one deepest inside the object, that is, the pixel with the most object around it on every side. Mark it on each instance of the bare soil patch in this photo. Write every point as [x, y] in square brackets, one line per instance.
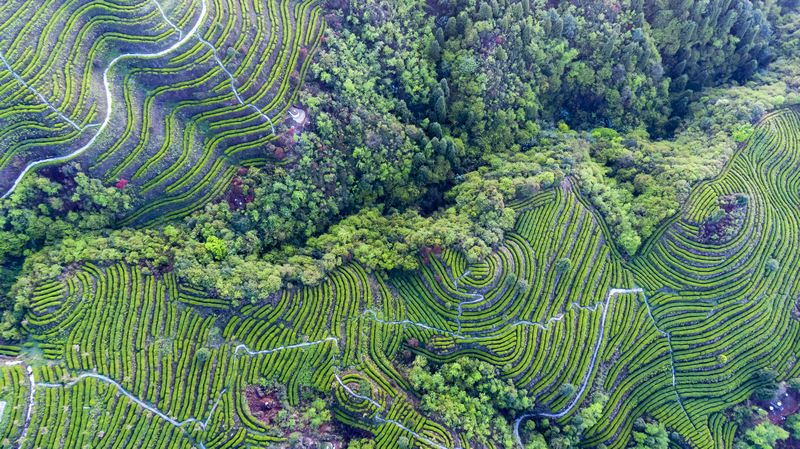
[236, 197]
[787, 402]
[727, 220]
[264, 405]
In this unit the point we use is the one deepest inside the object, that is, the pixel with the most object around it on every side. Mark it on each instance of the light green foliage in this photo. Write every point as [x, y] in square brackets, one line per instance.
[651, 436]
[793, 425]
[403, 442]
[563, 265]
[742, 132]
[773, 265]
[361, 443]
[483, 202]
[394, 241]
[317, 414]
[468, 395]
[536, 441]
[765, 435]
[202, 354]
[216, 247]
[374, 240]
[42, 211]
[588, 417]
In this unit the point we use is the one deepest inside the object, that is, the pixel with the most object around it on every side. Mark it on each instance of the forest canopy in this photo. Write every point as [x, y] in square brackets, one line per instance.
[531, 224]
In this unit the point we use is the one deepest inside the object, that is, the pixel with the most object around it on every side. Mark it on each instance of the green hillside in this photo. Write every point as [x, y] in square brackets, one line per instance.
[676, 334]
[397, 224]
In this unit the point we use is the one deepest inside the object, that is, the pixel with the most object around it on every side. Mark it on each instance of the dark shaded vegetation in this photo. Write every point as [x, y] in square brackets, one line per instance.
[469, 396]
[426, 121]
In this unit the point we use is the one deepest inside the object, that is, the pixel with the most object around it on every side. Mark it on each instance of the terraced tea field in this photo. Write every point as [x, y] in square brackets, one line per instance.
[677, 333]
[170, 95]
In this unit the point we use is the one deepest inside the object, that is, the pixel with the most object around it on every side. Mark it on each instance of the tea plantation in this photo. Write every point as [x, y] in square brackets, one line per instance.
[676, 334]
[176, 100]
[168, 95]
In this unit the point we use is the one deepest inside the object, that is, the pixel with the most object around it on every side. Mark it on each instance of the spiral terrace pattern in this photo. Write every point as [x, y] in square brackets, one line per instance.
[168, 94]
[649, 333]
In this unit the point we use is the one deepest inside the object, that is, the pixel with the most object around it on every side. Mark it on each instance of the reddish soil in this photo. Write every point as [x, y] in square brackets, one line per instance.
[70, 270]
[789, 404]
[785, 403]
[159, 270]
[264, 405]
[62, 175]
[728, 225]
[426, 252]
[791, 443]
[236, 197]
[352, 433]
[56, 174]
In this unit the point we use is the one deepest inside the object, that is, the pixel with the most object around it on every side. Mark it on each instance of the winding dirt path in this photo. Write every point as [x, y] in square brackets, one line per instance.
[577, 398]
[478, 298]
[671, 357]
[32, 381]
[166, 19]
[106, 379]
[109, 98]
[31, 403]
[42, 98]
[222, 66]
[374, 317]
[378, 418]
[144, 405]
[124, 392]
[544, 326]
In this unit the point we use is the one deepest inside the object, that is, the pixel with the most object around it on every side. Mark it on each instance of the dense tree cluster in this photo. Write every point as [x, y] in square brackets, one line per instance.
[469, 396]
[59, 203]
[546, 434]
[367, 144]
[756, 427]
[427, 119]
[410, 96]
[249, 253]
[764, 435]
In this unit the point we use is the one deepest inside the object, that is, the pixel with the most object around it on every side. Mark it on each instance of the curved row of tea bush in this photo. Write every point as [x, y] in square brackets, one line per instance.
[679, 333]
[170, 96]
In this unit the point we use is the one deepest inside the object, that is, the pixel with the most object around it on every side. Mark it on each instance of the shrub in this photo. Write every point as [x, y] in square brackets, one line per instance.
[563, 265]
[743, 132]
[773, 265]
